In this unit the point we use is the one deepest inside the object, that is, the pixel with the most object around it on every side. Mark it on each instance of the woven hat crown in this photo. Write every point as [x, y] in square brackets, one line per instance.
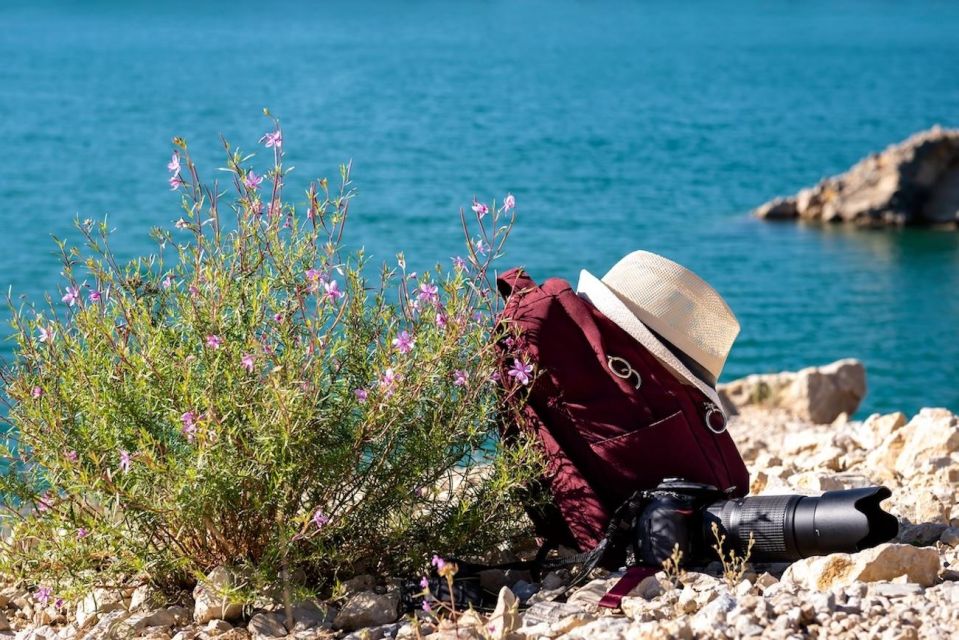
[676, 304]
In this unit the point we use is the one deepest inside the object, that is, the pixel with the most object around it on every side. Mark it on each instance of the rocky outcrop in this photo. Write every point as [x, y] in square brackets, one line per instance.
[816, 394]
[915, 182]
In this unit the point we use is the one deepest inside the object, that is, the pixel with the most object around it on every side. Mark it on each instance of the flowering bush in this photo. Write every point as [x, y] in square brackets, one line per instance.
[247, 397]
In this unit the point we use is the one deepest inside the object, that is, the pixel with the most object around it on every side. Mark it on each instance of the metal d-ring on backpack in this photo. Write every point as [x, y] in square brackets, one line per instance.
[617, 402]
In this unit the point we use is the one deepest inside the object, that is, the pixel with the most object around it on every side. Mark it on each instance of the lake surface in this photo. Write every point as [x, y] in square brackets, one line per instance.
[617, 125]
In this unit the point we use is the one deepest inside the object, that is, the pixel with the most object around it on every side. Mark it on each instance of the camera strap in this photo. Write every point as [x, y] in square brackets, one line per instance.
[618, 535]
[467, 591]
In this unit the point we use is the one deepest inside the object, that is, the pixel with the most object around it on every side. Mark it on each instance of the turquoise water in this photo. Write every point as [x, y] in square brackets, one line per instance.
[618, 125]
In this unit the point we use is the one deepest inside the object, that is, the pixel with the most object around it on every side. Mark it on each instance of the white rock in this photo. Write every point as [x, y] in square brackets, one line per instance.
[37, 633]
[933, 433]
[217, 627]
[108, 626]
[264, 626]
[308, 614]
[212, 598]
[554, 580]
[97, 603]
[141, 596]
[649, 587]
[367, 609]
[824, 458]
[815, 482]
[885, 562]
[8, 595]
[363, 582]
[765, 581]
[505, 618]
[551, 612]
[592, 592]
[566, 625]
[876, 428]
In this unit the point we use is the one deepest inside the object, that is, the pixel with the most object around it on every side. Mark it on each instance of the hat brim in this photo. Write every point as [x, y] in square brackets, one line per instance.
[608, 303]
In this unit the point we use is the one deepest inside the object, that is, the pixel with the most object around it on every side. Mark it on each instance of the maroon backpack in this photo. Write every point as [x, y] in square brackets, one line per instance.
[605, 433]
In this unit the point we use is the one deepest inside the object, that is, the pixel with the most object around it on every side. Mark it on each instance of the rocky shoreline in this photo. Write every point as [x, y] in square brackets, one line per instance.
[904, 590]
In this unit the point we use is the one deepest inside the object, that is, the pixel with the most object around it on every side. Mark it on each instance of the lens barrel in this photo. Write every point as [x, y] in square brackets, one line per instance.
[790, 527]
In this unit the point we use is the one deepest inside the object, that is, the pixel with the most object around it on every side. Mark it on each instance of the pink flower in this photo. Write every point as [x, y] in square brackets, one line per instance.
[459, 378]
[95, 296]
[441, 320]
[320, 519]
[333, 292]
[125, 460]
[46, 334]
[509, 202]
[459, 264]
[182, 224]
[168, 281]
[361, 395]
[438, 563]
[520, 371]
[71, 296]
[427, 607]
[424, 583]
[43, 595]
[82, 533]
[429, 292]
[71, 455]
[189, 425]
[480, 209]
[247, 362]
[403, 342]
[481, 248]
[214, 341]
[194, 290]
[494, 377]
[273, 139]
[252, 181]
[176, 182]
[36, 392]
[174, 164]
[387, 380]
[45, 502]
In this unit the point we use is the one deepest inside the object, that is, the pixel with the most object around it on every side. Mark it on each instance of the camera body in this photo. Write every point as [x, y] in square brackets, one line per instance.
[673, 516]
[779, 528]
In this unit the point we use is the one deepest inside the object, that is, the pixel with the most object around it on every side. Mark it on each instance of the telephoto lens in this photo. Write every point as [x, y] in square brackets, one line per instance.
[790, 527]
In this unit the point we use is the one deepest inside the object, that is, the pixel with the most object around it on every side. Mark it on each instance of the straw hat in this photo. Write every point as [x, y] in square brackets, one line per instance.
[671, 311]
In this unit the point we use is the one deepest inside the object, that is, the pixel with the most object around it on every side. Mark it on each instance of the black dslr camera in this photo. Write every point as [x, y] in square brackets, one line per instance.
[783, 528]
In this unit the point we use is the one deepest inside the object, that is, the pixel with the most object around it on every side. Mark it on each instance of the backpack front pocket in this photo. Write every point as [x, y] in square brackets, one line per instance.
[640, 459]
